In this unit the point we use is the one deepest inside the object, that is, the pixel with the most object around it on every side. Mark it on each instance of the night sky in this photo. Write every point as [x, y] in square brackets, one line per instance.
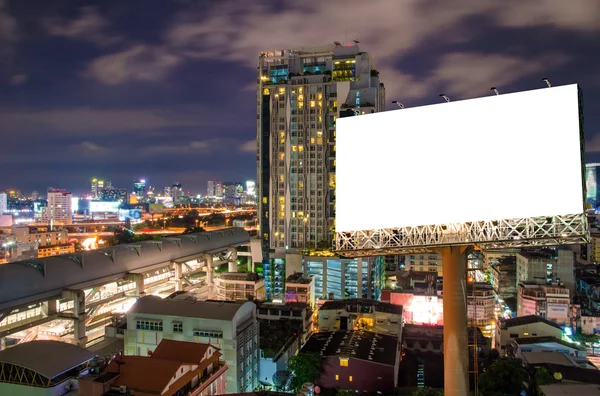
[165, 90]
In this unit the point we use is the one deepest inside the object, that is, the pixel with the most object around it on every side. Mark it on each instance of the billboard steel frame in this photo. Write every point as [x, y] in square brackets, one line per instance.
[487, 235]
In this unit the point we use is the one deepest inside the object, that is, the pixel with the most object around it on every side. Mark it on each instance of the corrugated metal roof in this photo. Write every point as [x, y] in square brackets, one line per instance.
[46, 357]
[218, 310]
[24, 282]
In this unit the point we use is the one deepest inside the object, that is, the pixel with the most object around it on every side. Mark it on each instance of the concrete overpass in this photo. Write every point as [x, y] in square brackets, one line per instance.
[84, 289]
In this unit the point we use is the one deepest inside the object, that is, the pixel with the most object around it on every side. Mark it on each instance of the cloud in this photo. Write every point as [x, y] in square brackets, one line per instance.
[248, 147]
[238, 30]
[8, 30]
[89, 147]
[89, 26]
[18, 79]
[593, 145]
[89, 120]
[139, 62]
[471, 74]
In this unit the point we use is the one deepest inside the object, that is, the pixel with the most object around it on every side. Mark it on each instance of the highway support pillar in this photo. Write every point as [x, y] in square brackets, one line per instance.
[178, 276]
[232, 265]
[209, 273]
[456, 343]
[79, 315]
[138, 280]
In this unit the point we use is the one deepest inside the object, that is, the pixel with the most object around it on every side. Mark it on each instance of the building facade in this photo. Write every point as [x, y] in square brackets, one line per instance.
[230, 326]
[548, 301]
[3, 203]
[239, 286]
[361, 314]
[592, 177]
[58, 210]
[522, 327]
[547, 265]
[503, 276]
[301, 92]
[481, 303]
[338, 278]
[431, 262]
[300, 288]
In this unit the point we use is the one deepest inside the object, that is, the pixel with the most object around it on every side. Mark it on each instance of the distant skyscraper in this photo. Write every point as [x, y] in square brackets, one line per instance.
[3, 202]
[251, 188]
[301, 93]
[592, 177]
[139, 188]
[114, 195]
[177, 193]
[59, 207]
[35, 195]
[219, 190]
[94, 188]
[210, 188]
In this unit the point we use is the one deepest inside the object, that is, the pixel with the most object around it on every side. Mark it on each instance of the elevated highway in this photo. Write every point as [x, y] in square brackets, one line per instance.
[75, 295]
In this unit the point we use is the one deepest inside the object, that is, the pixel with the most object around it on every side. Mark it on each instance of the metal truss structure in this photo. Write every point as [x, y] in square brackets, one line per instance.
[487, 235]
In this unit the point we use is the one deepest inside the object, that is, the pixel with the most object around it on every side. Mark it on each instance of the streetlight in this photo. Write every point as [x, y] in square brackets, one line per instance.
[447, 99]
[398, 103]
[495, 90]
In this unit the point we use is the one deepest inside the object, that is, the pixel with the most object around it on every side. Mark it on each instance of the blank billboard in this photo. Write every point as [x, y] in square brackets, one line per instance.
[498, 157]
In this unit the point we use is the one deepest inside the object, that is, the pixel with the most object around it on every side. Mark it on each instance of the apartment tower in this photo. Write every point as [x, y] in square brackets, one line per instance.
[301, 92]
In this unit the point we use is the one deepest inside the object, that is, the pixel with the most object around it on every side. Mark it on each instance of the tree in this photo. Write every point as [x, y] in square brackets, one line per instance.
[123, 235]
[344, 392]
[541, 376]
[428, 392]
[503, 377]
[324, 245]
[306, 368]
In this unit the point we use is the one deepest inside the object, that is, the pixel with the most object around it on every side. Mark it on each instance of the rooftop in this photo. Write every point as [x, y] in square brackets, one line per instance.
[181, 351]
[298, 277]
[356, 304]
[240, 276]
[537, 254]
[413, 332]
[529, 319]
[544, 340]
[577, 374]
[185, 306]
[356, 344]
[288, 306]
[45, 357]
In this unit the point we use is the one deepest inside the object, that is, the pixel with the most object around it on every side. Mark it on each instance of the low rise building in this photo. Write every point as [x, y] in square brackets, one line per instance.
[279, 341]
[364, 314]
[523, 327]
[428, 338]
[175, 368]
[230, 326]
[363, 361]
[503, 276]
[300, 288]
[239, 286]
[547, 266]
[517, 346]
[550, 301]
[41, 368]
[299, 313]
[481, 304]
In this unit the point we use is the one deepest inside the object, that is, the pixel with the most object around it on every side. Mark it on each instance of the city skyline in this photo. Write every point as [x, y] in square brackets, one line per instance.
[177, 102]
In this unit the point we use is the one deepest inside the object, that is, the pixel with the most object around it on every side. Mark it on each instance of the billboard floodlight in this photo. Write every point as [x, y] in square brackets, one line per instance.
[545, 79]
[447, 99]
[495, 90]
[398, 103]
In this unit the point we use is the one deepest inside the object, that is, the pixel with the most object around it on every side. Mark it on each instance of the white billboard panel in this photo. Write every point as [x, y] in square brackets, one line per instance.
[498, 157]
[104, 207]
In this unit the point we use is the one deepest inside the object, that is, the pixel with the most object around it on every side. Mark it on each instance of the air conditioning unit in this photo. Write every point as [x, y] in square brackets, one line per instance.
[123, 389]
[69, 385]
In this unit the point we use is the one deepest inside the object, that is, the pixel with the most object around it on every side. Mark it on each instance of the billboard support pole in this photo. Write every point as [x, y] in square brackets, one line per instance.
[456, 343]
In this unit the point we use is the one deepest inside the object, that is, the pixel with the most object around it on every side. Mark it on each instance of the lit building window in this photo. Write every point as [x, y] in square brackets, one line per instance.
[266, 91]
[350, 378]
[282, 134]
[312, 103]
[344, 362]
[337, 377]
[281, 91]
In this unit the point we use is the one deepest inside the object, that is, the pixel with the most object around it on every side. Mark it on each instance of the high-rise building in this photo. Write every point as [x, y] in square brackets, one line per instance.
[139, 188]
[3, 203]
[94, 188]
[114, 195]
[59, 207]
[210, 188]
[592, 176]
[301, 93]
[177, 193]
